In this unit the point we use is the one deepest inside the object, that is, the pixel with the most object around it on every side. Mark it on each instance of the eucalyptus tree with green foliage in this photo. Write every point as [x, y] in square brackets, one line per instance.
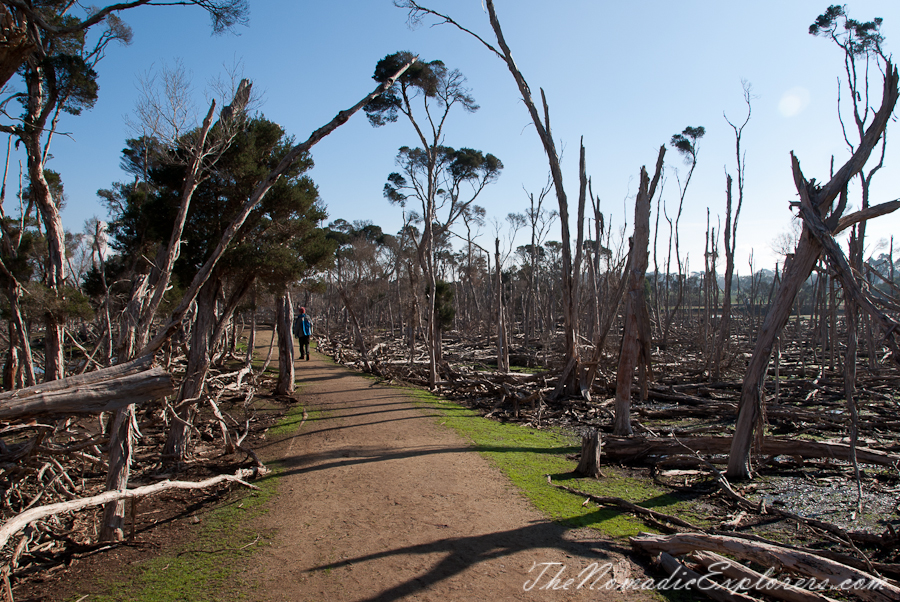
[30, 25]
[278, 243]
[58, 77]
[437, 176]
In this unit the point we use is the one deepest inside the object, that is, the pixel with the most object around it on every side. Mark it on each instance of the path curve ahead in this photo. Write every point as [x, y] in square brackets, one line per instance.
[378, 501]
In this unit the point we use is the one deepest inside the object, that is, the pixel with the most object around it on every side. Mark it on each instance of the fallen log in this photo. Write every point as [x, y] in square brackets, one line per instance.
[133, 367]
[20, 521]
[742, 575]
[89, 398]
[681, 577]
[624, 449]
[862, 584]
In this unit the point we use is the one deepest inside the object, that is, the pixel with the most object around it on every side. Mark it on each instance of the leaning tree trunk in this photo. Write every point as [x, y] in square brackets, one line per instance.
[262, 188]
[635, 350]
[185, 408]
[284, 318]
[820, 199]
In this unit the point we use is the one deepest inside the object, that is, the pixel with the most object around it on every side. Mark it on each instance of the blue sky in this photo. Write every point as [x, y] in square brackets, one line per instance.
[626, 76]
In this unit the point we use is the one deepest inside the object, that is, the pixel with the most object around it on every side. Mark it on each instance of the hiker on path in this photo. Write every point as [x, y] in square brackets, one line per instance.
[302, 329]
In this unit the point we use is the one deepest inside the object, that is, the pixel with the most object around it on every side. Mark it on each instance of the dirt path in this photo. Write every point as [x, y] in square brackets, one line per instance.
[380, 502]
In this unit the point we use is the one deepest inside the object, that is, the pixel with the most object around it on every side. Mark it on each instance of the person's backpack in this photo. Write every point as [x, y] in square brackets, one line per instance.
[302, 326]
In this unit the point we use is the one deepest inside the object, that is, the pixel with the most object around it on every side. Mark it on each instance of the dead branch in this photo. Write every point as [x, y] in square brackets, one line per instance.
[18, 522]
[628, 507]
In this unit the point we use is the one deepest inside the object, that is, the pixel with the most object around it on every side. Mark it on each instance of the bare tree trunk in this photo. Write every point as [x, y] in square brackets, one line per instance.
[179, 438]
[251, 338]
[413, 321]
[122, 440]
[635, 348]
[502, 343]
[357, 329]
[731, 236]
[284, 318]
[19, 338]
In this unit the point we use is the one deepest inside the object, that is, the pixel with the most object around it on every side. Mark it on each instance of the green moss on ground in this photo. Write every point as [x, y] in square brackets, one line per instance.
[207, 569]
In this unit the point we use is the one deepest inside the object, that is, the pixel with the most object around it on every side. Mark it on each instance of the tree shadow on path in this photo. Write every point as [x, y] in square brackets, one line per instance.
[462, 553]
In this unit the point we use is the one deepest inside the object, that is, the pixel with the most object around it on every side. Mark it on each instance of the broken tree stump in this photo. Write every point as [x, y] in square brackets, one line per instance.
[589, 465]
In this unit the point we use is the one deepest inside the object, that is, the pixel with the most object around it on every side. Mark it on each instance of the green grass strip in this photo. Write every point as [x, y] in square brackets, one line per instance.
[526, 455]
[206, 569]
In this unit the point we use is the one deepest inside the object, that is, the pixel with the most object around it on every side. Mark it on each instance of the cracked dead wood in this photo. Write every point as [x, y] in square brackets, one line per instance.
[874, 588]
[104, 396]
[635, 349]
[680, 574]
[589, 464]
[770, 587]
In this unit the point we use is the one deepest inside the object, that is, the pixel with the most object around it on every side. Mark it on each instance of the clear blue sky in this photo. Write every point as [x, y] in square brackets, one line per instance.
[625, 75]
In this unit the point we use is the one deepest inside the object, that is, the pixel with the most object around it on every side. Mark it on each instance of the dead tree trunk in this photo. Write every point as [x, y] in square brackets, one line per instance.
[185, 408]
[820, 201]
[730, 238]
[589, 464]
[502, 343]
[357, 330]
[251, 338]
[635, 350]
[284, 318]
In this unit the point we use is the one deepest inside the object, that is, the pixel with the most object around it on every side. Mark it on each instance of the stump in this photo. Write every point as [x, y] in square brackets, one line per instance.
[589, 465]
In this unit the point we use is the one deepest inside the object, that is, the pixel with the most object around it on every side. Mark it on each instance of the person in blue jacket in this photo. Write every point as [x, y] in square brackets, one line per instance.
[302, 329]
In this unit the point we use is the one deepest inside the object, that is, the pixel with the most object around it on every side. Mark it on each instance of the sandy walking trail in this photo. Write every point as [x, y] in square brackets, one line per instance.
[378, 501]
